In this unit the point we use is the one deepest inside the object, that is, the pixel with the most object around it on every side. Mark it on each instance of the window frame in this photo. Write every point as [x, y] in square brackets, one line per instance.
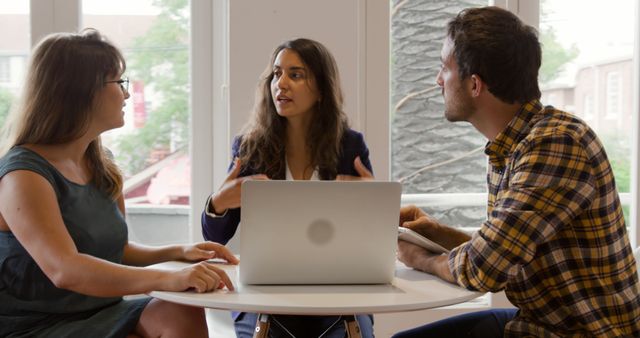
[613, 96]
[635, 143]
[5, 69]
[589, 111]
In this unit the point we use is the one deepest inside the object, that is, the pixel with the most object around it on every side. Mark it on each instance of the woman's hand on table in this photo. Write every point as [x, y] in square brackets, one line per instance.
[207, 250]
[201, 277]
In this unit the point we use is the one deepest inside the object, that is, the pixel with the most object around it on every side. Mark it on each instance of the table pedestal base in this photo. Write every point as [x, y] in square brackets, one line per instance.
[351, 327]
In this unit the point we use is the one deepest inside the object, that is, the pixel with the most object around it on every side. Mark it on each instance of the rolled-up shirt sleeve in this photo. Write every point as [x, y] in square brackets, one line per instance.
[548, 184]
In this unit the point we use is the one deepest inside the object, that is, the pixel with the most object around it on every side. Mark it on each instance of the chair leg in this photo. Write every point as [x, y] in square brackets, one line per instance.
[262, 326]
[352, 327]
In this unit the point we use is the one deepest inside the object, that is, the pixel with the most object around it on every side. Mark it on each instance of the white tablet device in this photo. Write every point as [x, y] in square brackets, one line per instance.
[409, 235]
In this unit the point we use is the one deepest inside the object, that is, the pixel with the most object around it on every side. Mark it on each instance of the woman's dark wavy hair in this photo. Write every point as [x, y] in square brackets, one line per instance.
[262, 147]
[496, 45]
[65, 74]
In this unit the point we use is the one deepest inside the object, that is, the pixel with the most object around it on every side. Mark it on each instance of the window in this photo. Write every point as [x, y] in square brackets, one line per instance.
[552, 100]
[614, 95]
[14, 48]
[5, 71]
[160, 96]
[593, 59]
[440, 163]
[152, 149]
[589, 111]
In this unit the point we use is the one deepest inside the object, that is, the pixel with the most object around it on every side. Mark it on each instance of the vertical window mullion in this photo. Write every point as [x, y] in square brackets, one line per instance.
[203, 131]
[635, 147]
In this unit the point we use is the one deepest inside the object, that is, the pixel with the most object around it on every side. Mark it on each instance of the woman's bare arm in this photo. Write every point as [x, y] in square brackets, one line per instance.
[29, 206]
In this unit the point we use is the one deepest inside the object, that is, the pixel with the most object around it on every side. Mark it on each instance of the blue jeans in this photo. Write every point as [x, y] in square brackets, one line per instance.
[302, 326]
[485, 324]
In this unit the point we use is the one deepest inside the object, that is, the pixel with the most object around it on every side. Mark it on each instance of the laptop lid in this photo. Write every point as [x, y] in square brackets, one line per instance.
[318, 232]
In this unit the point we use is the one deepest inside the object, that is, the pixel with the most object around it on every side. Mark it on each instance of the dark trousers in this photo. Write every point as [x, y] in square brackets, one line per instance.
[485, 324]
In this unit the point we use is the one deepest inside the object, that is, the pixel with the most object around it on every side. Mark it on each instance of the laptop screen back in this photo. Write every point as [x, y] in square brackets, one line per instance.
[318, 232]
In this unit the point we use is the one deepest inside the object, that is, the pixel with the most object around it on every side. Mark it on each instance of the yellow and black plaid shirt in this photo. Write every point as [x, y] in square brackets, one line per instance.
[555, 237]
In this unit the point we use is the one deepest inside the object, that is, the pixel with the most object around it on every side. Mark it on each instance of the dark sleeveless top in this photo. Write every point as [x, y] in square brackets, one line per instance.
[30, 304]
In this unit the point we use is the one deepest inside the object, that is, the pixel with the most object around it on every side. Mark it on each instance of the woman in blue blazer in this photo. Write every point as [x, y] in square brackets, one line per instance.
[298, 132]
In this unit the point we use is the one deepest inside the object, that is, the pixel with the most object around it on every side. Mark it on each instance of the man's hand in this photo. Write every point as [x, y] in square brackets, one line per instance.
[418, 258]
[414, 218]
[413, 255]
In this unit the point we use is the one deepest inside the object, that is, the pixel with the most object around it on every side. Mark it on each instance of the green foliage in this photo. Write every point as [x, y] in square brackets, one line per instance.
[6, 99]
[160, 58]
[622, 172]
[618, 150]
[554, 56]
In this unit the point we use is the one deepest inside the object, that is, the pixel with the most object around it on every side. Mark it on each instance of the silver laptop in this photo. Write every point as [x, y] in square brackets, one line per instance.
[318, 232]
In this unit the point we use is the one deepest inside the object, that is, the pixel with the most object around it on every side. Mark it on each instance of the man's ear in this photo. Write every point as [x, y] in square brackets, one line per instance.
[476, 84]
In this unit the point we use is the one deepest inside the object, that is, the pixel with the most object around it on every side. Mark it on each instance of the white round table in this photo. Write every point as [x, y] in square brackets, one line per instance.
[410, 290]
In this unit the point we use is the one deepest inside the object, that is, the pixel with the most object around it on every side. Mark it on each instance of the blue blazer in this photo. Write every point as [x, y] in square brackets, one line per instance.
[221, 229]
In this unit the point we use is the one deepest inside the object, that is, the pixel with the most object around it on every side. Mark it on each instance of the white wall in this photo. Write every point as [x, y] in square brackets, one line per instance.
[54, 16]
[256, 28]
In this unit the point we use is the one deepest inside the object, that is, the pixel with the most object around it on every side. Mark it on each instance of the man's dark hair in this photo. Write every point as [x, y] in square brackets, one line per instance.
[497, 46]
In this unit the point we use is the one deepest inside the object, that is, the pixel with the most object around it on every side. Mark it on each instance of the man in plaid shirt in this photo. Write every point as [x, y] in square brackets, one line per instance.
[555, 238]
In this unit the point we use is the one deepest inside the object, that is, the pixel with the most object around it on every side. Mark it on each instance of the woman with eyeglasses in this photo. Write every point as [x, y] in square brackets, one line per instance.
[65, 261]
[298, 132]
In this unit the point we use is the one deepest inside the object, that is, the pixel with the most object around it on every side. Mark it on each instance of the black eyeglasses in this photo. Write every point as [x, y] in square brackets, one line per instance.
[124, 84]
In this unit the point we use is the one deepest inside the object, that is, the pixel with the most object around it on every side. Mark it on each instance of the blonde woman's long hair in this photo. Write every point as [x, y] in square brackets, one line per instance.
[65, 73]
